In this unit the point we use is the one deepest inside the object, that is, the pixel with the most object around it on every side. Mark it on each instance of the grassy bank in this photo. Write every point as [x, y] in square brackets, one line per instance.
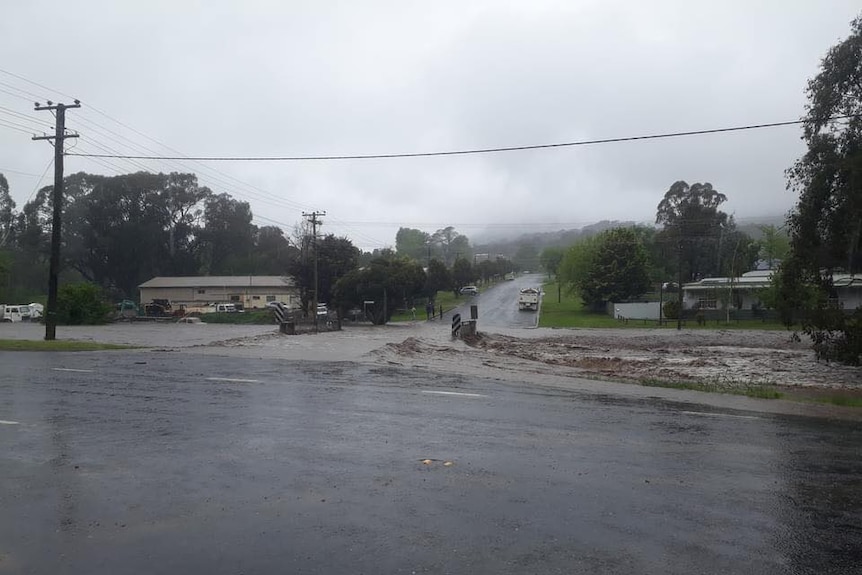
[257, 317]
[445, 298]
[56, 345]
[570, 312]
[759, 391]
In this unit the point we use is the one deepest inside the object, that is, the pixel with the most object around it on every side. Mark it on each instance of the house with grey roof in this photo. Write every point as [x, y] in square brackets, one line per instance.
[714, 293]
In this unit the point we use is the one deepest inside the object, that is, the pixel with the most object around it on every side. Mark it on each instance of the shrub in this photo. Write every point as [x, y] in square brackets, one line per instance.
[671, 309]
[81, 304]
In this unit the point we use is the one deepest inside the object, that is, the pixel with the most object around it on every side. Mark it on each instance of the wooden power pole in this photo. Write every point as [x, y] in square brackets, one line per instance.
[59, 138]
[314, 218]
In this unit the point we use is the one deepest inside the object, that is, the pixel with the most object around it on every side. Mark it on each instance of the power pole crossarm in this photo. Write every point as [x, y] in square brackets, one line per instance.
[59, 138]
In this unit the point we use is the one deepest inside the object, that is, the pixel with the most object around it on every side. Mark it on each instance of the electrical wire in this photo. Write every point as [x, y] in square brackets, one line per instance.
[16, 95]
[20, 116]
[33, 193]
[259, 194]
[33, 97]
[484, 150]
[16, 172]
[12, 127]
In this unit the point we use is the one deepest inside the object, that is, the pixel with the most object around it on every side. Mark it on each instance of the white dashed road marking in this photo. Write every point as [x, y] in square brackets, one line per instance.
[456, 393]
[4, 422]
[705, 414]
[233, 380]
[72, 370]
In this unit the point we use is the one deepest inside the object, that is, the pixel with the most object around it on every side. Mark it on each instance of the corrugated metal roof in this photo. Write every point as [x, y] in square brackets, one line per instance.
[752, 280]
[847, 280]
[218, 281]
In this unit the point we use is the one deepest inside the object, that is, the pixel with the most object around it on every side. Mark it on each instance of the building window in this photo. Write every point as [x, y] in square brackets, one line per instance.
[255, 297]
[202, 291]
[707, 302]
[234, 298]
[270, 298]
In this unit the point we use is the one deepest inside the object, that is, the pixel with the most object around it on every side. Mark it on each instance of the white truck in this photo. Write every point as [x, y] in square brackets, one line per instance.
[528, 299]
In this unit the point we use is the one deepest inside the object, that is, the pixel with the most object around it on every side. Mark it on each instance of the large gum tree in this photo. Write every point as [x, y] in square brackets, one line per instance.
[826, 225]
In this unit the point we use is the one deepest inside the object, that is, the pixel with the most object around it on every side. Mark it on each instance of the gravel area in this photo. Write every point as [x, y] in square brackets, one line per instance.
[731, 358]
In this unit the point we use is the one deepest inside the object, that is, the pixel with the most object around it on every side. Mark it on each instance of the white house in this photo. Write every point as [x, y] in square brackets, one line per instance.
[848, 290]
[714, 293]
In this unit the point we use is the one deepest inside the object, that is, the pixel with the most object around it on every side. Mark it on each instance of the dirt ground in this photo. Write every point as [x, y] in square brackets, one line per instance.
[718, 360]
[729, 358]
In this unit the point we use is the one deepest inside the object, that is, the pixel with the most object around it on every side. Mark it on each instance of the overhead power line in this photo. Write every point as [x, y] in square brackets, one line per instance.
[468, 151]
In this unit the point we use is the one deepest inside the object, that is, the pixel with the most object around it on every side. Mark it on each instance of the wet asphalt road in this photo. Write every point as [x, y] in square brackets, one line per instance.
[498, 305]
[153, 462]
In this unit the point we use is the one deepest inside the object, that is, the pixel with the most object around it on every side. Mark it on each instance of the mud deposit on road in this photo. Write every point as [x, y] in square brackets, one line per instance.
[719, 359]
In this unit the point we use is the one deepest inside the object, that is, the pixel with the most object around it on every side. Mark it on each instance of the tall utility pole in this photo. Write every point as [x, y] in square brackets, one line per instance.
[679, 285]
[314, 218]
[59, 138]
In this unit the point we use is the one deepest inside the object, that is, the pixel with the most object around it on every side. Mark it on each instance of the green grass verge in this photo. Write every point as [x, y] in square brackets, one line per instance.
[569, 312]
[56, 345]
[445, 298]
[262, 317]
[759, 391]
[755, 324]
[842, 400]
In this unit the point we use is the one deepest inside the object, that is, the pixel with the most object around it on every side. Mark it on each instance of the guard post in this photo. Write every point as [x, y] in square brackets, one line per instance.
[456, 325]
[284, 326]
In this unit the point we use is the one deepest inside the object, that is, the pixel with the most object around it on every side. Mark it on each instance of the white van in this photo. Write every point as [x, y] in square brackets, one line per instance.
[224, 308]
[15, 313]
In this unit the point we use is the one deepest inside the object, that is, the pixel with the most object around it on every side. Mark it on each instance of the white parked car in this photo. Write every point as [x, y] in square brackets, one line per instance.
[469, 290]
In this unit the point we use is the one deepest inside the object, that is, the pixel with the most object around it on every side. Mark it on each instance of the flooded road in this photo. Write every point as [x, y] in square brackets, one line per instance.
[498, 305]
[167, 462]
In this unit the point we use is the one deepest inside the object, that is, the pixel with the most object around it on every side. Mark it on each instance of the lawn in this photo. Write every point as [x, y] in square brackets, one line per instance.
[445, 298]
[254, 317]
[56, 345]
[570, 312]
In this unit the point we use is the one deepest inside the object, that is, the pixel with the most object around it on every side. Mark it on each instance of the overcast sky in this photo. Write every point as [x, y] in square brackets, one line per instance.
[251, 78]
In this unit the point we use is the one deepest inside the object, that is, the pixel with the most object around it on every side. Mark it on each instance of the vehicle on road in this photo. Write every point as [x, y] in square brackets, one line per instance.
[469, 290]
[224, 308]
[528, 299]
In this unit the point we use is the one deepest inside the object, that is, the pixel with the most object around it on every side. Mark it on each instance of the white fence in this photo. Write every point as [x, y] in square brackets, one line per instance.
[641, 310]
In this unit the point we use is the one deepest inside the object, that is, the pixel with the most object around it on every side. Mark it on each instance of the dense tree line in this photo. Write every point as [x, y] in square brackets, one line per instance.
[119, 231]
[696, 240]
